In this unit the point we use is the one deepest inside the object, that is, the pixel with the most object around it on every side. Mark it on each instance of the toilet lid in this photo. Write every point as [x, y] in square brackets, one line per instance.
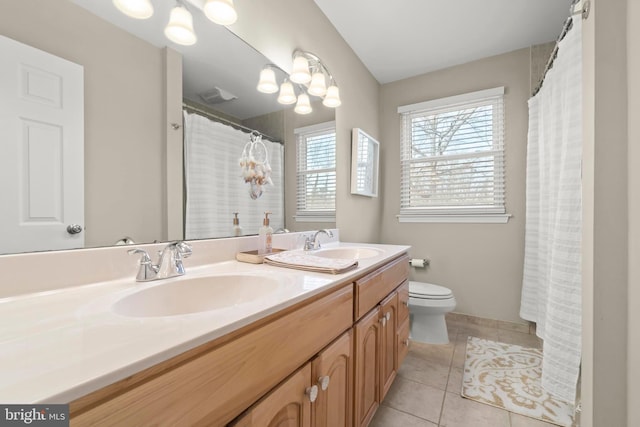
[428, 290]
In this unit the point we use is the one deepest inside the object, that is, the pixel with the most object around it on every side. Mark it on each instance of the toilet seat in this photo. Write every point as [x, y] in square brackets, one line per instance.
[421, 290]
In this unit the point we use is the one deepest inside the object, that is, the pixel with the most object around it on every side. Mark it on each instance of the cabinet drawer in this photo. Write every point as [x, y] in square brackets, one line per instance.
[214, 387]
[403, 302]
[373, 288]
[403, 342]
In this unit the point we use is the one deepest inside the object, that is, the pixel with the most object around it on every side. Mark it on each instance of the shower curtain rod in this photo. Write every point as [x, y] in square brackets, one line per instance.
[210, 115]
[584, 12]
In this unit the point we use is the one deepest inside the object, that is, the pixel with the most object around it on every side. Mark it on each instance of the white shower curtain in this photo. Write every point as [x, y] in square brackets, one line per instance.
[551, 291]
[215, 188]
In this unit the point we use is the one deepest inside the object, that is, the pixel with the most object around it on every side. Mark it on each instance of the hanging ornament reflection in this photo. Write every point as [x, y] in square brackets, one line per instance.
[255, 167]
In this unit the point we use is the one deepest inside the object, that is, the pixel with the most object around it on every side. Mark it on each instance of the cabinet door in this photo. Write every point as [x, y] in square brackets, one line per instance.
[388, 342]
[288, 405]
[332, 370]
[403, 302]
[367, 378]
[403, 342]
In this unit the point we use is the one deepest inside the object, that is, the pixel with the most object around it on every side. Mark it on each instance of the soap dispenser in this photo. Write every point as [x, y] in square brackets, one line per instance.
[237, 230]
[264, 236]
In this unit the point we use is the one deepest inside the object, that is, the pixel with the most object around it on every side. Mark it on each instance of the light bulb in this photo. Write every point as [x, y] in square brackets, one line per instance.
[287, 94]
[303, 106]
[318, 86]
[180, 27]
[138, 9]
[300, 73]
[221, 11]
[267, 83]
[333, 97]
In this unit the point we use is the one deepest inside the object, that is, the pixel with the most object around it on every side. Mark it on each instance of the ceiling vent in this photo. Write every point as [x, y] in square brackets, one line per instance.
[217, 96]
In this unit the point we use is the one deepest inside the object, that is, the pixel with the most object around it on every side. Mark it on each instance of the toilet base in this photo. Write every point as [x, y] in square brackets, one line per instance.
[429, 329]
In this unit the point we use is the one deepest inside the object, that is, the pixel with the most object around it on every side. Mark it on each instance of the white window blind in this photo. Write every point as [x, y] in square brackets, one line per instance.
[316, 172]
[452, 158]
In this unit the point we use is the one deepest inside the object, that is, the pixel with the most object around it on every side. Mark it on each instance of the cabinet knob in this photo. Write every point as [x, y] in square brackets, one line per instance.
[74, 229]
[323, 382]
[388, 316]
[312, 392]
[405, 303]
[406, 343]
[383, 320]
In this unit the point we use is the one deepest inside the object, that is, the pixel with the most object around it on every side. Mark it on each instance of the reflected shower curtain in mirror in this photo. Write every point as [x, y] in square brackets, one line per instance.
[551, 289]
[215, 188]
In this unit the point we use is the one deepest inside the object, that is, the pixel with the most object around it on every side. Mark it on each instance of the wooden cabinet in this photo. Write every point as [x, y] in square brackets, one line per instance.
[318, 395]
[367, 362]
[381, 338]
[402, 341]
[332, 371]
[388, 342]
[288, 405]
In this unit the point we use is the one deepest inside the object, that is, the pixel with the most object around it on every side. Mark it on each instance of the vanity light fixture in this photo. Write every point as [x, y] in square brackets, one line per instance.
[180, 27]
[310, 76]
[138, 9]
[221, 11]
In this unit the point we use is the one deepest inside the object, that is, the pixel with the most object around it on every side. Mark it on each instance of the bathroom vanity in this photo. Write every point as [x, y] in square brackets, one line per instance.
[326, 361]
[319, 350]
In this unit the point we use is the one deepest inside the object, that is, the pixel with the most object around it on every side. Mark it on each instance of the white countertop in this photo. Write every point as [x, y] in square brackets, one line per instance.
[57, 346]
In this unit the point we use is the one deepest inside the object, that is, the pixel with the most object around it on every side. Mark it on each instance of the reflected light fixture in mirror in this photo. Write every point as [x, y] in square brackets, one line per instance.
[180, 27]
[221, 11]
[138, 9]
[310, 76]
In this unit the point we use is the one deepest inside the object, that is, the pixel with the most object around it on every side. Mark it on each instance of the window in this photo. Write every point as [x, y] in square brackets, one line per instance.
[452, 159]
[316, 173]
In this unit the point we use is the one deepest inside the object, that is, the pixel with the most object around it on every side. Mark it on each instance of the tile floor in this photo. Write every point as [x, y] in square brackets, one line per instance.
[426, 392]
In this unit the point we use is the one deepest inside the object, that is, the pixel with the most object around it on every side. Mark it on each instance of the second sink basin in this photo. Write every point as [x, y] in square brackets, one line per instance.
[194, 295]
[350, 252]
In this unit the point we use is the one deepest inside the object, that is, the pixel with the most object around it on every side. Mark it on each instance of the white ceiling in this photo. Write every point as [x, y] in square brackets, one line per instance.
[405, 38]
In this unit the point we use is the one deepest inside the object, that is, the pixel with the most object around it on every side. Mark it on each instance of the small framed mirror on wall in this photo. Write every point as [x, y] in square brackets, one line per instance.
[365, 154]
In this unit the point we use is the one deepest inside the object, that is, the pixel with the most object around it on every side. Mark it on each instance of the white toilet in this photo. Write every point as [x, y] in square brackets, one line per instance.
[428, 304]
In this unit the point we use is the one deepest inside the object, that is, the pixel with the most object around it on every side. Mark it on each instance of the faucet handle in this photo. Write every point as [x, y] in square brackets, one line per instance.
[145, 259]
[184, 249]
[147, 270]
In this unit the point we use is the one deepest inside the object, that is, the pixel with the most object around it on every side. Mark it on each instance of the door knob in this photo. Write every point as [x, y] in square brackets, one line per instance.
[74, 229]
[312, 392]
[323, 382]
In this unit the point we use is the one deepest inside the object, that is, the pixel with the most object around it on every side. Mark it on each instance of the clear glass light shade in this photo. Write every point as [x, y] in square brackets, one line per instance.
[300, 73]
[180, 27]
[138, 9]
[221, 11]
[267, 83]
[318, 86]
[304, 105]
[332, 99]
[287, 94]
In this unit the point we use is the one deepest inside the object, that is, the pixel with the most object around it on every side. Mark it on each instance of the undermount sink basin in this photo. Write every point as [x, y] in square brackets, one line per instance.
[352, 252]
[195, 295]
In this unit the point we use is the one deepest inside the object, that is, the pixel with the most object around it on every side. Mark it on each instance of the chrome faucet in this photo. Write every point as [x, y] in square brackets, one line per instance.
[312, 243]
[169, 264]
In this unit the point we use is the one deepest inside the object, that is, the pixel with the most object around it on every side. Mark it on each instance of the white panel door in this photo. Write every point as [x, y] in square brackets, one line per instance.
[41, 150]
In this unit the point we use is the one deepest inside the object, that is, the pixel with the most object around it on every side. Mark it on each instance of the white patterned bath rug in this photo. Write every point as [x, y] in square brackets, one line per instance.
[508, 376]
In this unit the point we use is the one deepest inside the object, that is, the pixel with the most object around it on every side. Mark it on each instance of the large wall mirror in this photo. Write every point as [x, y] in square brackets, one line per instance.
[126, 81]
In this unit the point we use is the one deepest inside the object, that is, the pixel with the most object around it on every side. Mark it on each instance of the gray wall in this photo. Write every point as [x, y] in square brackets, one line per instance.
[481, 263]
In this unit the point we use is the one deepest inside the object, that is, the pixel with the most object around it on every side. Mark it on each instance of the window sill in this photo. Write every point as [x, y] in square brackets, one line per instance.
[315, 218]
[463, 219]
